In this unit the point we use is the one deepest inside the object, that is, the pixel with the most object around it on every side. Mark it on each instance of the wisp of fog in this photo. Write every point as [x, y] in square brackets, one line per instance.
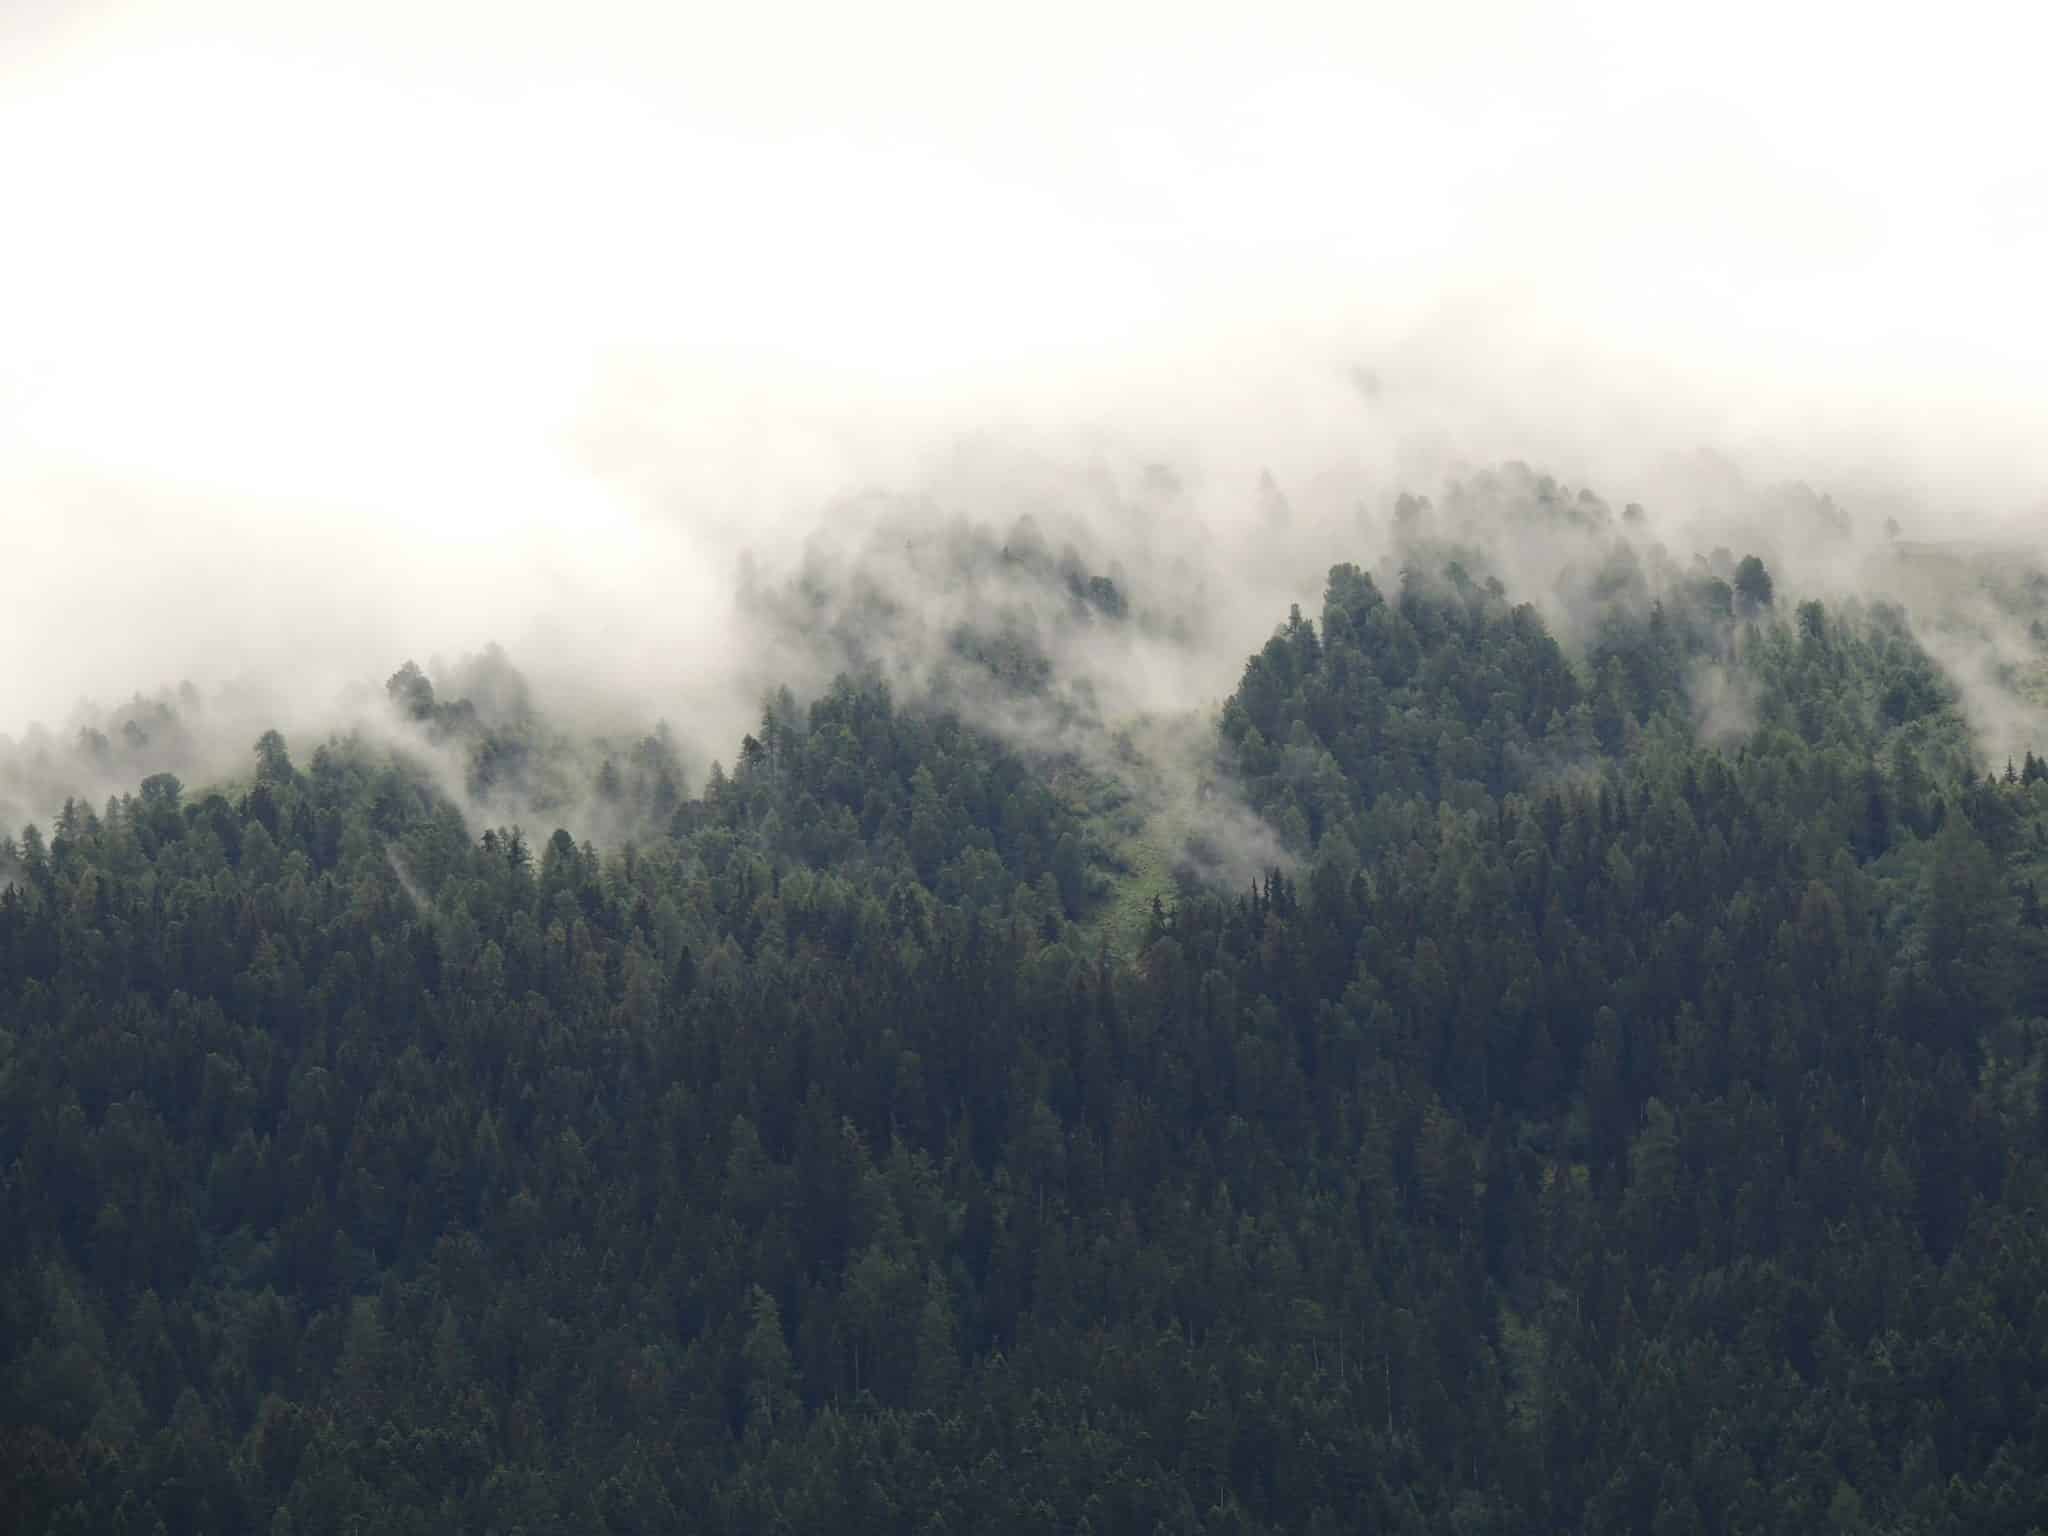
[342, 335]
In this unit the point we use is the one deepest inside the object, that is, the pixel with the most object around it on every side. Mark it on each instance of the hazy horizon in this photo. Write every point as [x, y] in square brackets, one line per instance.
[347, 334]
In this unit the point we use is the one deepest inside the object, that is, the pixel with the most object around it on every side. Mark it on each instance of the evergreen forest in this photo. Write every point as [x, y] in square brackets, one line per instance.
[1609, 1095]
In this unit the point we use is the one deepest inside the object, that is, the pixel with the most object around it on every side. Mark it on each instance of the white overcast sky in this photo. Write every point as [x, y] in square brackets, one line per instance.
[354, 329]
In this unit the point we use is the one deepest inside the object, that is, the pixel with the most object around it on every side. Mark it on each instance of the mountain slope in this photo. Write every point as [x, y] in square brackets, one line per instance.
[1621, 1108]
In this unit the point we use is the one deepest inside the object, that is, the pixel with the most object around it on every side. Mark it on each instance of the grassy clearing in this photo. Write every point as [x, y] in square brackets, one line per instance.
[1147, 874]
[1131, 857]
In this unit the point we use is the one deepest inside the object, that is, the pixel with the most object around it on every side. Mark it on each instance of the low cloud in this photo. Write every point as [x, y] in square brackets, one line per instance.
[348, 334]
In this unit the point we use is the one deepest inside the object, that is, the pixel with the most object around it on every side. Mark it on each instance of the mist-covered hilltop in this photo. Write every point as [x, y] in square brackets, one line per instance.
[1555, 1039]
[911, 768]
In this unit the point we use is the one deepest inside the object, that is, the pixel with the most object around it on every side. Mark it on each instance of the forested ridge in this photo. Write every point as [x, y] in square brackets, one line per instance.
[1620, 1106]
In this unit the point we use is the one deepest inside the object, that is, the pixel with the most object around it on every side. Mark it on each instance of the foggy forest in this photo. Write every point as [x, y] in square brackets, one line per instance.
[1106, 769]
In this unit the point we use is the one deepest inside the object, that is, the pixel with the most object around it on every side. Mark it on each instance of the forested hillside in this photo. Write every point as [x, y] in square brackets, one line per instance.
[1620, 1106]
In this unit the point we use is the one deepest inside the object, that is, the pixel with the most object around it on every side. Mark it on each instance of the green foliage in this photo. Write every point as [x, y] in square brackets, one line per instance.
[1622, 1120]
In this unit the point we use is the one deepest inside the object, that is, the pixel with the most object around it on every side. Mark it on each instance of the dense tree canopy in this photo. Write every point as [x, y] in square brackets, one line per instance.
[1623, 1110]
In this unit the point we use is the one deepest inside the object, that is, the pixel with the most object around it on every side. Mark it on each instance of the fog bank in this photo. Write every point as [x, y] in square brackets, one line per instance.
[342, 334]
